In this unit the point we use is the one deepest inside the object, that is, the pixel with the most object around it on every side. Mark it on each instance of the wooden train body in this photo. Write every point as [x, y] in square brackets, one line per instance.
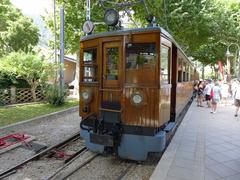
[133, 85]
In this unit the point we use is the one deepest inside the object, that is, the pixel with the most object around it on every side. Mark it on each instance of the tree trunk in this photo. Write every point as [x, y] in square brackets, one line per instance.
[33, 91]
[203, 72]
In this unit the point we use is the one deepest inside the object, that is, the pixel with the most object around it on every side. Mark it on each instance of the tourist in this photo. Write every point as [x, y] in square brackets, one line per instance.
[237, 97]
[200, 93]
[216, 97]
[207, 92]
[225, 93]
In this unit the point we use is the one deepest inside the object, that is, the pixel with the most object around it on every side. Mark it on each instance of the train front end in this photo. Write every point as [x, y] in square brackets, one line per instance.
[123, 105]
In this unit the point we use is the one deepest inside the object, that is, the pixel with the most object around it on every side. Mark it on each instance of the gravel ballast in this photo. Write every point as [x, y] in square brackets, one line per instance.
[48, 131]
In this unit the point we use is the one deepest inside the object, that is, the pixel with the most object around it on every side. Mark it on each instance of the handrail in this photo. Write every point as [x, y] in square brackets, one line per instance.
[110, 110]
[115, 90]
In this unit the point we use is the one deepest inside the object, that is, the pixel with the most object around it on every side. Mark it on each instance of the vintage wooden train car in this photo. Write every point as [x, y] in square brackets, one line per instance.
[133, 85]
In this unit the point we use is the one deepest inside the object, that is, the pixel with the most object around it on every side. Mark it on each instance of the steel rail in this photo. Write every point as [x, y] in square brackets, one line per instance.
[44, 152]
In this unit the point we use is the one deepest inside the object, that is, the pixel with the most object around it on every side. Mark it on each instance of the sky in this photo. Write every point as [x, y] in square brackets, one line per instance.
[33, 7]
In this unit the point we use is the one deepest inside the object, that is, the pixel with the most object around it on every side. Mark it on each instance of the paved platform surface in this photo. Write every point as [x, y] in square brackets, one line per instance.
[206, 146]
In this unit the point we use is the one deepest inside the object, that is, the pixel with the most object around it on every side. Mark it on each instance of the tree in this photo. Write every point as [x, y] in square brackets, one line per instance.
[74, 17]
[27, 66]
[17, 32]
[203, 28]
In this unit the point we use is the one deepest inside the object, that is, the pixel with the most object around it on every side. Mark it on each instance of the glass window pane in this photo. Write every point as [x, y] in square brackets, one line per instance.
[187, 72]
[89, 56]
[164, 76]
[184, 71]
[89, 74]
[140, 56]
[140, 62]
[112, 64]
[180, 68]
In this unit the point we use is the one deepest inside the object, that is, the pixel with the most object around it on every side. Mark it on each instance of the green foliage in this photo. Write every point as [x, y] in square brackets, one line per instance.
[17, 32]
[27, 66]
[74, 18]
[6, 81]
[55, 95]
[203, 28]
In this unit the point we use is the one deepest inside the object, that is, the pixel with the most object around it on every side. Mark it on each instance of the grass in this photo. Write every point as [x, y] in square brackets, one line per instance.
[10, 115]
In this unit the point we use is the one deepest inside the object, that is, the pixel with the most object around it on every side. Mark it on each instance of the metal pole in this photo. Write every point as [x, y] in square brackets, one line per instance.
[62, 47]
[55, 38]
[236, 58]
[88, 10]
[238, 63]
[234, 65]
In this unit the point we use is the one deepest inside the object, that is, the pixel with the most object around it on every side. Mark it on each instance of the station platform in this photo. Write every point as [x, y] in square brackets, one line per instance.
[206, 146]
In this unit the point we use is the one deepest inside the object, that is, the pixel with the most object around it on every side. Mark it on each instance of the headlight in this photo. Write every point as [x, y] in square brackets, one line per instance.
[137, 98]
[86, 96]
[111, 17]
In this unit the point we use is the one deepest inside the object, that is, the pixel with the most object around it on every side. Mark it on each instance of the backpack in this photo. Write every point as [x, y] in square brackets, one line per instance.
[211, 93]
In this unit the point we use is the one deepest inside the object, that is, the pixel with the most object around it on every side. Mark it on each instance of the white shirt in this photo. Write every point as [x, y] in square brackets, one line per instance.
[225, 88]
[237, 92]
[207, 89]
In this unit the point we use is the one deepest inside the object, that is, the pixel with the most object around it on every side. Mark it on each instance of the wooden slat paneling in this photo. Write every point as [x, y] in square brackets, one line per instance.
[93, 105]
[184, 93]
[143, 115]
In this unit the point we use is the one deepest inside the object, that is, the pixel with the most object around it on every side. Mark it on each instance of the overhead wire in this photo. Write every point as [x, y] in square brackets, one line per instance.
[120, 5]
[131, 18]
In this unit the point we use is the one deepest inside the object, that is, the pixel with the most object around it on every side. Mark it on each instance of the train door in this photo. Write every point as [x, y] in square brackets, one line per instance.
[165, 79]
[111, 91]
[112, 60]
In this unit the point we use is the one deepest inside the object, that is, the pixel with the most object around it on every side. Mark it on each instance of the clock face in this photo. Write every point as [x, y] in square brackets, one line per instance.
[88, 27]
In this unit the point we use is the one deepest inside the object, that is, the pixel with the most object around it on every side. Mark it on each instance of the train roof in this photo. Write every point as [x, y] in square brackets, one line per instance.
[135, 30]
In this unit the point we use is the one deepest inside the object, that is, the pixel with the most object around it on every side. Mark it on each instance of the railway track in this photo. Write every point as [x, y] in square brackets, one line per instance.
[49, 152]
[70, 168]
[125, 171]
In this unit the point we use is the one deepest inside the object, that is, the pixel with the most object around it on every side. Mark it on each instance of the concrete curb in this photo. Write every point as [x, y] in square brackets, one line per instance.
[43, 118]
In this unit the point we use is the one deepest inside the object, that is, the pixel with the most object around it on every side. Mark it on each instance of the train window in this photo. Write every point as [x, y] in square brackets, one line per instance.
[187, 72]
[89, 74]
[89, 56]
[141, 63]
[89, 65]
[164, 74]
[192, 74]
[112, 64]
[180, 68]
[140, 56]
[184, 71]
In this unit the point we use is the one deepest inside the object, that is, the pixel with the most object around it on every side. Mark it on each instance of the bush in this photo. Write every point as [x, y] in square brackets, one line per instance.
[6, 81]
[55, 95]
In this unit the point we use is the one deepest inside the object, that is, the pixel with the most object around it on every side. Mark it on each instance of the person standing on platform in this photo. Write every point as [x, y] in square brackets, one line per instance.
[225, 93]
[237, 97]
[216, 96]
[200, 93]
[207, 92]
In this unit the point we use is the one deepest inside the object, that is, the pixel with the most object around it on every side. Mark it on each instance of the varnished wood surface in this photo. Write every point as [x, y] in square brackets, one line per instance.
[146, 114]
[155, 110]
[183, 95]
[93, 104]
